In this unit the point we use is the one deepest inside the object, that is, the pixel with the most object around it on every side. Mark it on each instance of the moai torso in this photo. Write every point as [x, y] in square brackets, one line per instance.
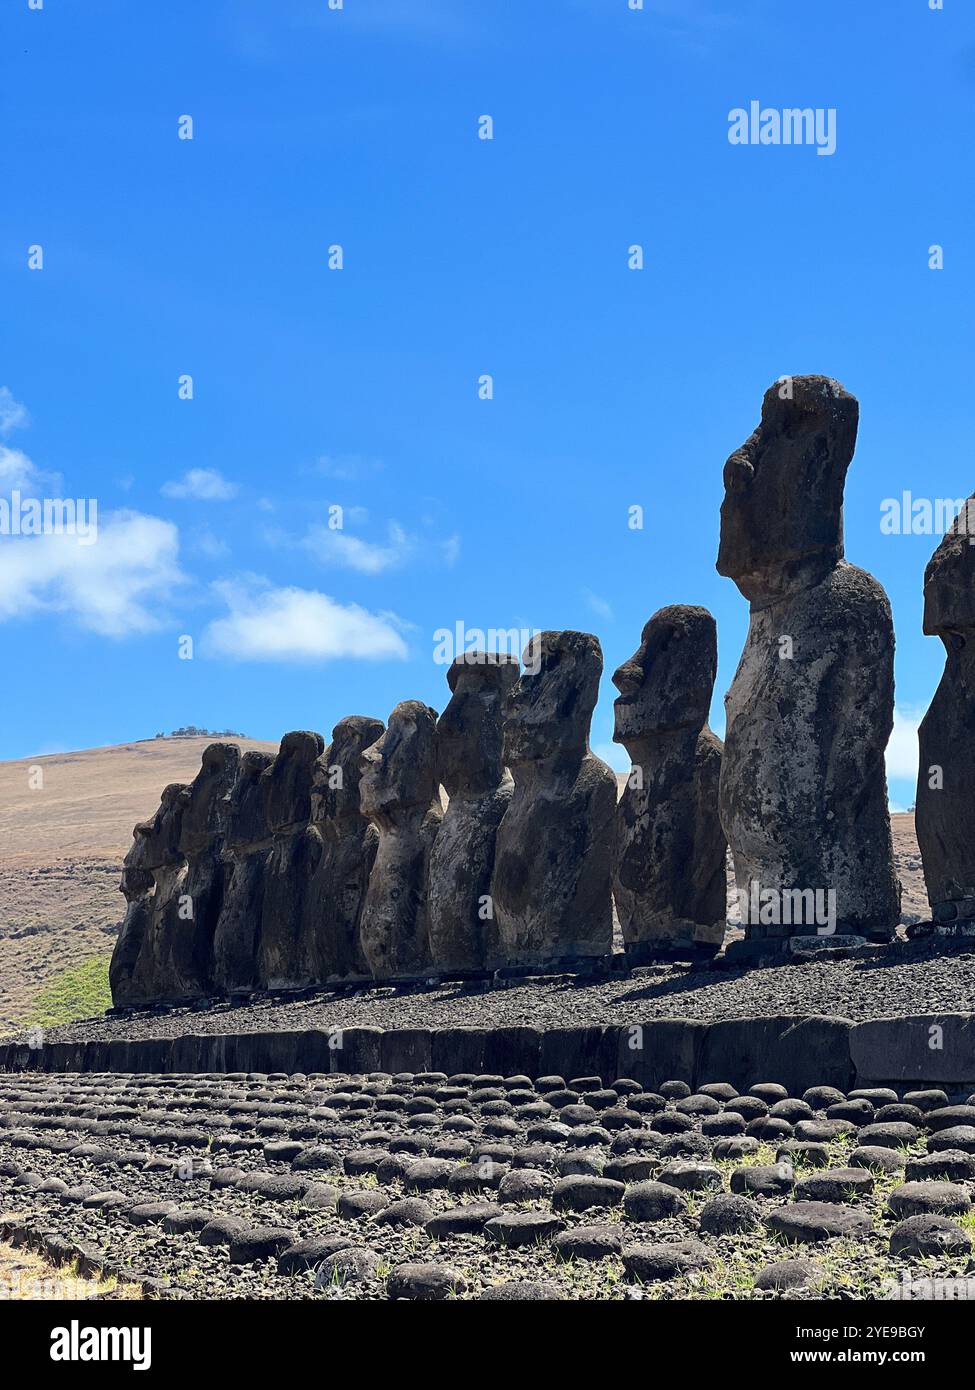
[463, 931]
[803, 785]
[400, 795]
[669, 877]
[551, 887]
[247, 843]
[145, 934]
[338, 888]
[136, 886]
[946, 771]
[195, 898]
[285, 957]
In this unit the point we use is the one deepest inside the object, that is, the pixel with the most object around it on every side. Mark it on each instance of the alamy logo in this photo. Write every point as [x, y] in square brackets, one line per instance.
[77, 1343]
[49, 516]
[788, 907]
[792, 125]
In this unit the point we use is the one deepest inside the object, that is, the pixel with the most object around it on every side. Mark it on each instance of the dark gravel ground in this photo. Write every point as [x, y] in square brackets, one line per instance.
[903, 979]
[612, 1170]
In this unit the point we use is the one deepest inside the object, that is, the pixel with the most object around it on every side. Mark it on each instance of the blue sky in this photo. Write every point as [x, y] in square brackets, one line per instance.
[358, 388]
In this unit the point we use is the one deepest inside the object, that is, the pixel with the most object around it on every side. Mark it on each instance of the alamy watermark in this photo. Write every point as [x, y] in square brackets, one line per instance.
[788, 907]
[908, 515]
[792, 125]
[478, 646]
[49, 516]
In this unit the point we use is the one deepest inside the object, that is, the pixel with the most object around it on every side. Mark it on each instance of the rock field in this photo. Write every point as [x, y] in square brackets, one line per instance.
[428, 1187]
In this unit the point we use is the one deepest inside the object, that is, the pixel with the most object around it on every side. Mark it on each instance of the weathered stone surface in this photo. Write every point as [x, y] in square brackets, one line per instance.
[796, 1050]
[803, 787]
[789, 1274]
[929, 1235]
[399, 793]
[925, 1047]
[236, 935]
[463, 933]
[808, 1222]
[551, 886]
[136, 973]
[333, 906]
[946, 736]
[654, 1263]
[285, 958]
[669, 863]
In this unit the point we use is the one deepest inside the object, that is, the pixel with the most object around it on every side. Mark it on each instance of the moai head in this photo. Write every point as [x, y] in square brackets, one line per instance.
[136, 875]
[782, 514]
[949, 581]
[548, 711]
[205, 805]
[470, 730]
[667, 682]
[399, 770]
[287, 781]
[246, 822]
[162, 832]
[335, 795]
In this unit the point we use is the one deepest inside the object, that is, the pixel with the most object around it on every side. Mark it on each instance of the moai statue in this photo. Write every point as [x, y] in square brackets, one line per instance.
[139, 972]
[463, 933]
[194, 906]
[285, 956]
[400, 794]
[553, 864]
[669, 877]
[137, 886]
[349, 843]
[946, 772]
[236, 937]
[803, 786]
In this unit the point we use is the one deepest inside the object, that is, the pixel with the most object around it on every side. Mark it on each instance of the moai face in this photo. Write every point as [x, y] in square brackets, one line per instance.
[204, 812]
[949, 581]
[288, 780]
[136, 876]
[667, 682]
[399, 771]
[336, 790]
[548, 712]
[470, 730]
[246, 822]
[783, 506]
[162, 833]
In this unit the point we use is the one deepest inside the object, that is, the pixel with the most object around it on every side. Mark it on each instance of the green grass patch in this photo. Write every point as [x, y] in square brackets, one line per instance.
[77, 993]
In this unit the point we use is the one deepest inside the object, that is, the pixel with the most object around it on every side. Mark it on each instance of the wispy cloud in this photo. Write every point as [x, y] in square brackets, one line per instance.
[598, 605]
[201, 484]
[352, 552]
[265, 623]
[13, 415]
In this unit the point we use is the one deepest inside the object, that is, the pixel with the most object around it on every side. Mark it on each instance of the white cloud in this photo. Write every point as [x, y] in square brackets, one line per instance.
[352, 552]
[451, 550]
[206, 542]
[902, 753]
[13, 415]
[289, 624]
[201, 484]
[17, 471]
[113, 587]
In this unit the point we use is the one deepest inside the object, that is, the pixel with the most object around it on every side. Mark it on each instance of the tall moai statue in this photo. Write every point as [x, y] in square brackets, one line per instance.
[349, 842]
[463, 932]
[809, 712]
[400, 794]
[946, 772]
[187, 948]
[669, 877]
[140, 970]
[247, 843]
[552, 882]
[284, 954]
[152, 858]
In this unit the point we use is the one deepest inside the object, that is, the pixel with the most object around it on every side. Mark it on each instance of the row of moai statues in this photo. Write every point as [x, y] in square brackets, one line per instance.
[341, 863]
